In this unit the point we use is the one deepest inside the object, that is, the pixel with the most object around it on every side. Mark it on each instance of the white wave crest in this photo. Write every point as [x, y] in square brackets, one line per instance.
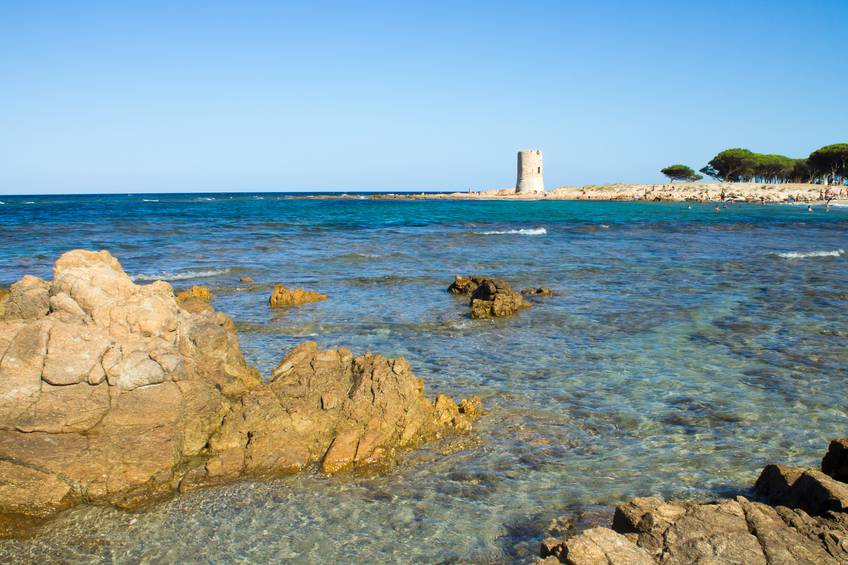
[168, 276]
[523, 231]
[149, 200]
[809, 254]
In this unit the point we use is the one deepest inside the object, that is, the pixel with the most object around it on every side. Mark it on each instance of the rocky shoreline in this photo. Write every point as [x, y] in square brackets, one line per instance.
[116, 393]
[664, 192]
[802, 518]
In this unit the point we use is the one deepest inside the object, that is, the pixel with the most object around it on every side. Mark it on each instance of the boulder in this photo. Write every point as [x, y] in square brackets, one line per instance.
[490, 297]
[201, 293]
[111, 392]
[495, 298]
[283, 297]
[246, 280]
[835, 461]
[649, 530]
[464, 285]
[812, 491]
[805, 521]
[27, 299]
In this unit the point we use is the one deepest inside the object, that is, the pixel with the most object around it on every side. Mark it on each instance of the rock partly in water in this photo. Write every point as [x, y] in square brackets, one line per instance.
[835, 461]
[282, 296]
[490, 297]
[111, 392]
[465, 285]
[805, 521]
[495, 298]
[195, 293]
[540, 292]
[246, 280]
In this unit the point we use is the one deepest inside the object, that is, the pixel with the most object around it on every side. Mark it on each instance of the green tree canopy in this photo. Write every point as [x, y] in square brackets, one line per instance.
[731, 165]
[830, 161]
[680, 172]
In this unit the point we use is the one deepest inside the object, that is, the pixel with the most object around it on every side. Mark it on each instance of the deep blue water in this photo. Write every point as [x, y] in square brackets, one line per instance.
[685, 348]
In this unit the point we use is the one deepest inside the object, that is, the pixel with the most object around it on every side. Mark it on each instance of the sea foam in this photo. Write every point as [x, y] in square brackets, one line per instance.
[809, 254]
[169, 276]
[523, 231]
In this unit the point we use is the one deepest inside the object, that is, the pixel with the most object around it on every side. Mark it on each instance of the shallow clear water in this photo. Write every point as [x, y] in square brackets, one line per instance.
[685, 349]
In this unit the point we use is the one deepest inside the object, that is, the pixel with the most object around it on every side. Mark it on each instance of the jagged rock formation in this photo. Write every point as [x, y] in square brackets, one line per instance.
[112, 392]
[282, 296]
[804, 521]
[490, 298]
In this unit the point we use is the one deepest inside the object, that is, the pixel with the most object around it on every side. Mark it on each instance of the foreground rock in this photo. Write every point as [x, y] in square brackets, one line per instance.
[112, 392]
[490, 298]
[282, 296]
[803, 521]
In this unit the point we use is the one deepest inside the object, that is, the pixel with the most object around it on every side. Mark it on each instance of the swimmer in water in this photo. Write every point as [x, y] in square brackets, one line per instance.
[717, 208]
[809, 208]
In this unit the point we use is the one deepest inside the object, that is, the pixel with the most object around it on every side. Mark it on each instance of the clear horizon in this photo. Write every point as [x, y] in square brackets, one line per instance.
[206, 97]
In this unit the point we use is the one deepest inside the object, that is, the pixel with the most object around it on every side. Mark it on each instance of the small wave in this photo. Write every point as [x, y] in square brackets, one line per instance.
[168, 276]
[523, 231]
[809, 254]
[149, 200]
[605, 226]
[29, 202]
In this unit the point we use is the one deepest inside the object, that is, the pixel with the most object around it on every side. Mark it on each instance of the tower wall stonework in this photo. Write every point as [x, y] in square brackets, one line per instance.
[529, 171]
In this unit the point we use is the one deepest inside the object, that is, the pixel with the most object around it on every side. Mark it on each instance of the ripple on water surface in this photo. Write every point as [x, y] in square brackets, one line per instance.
[683, 350]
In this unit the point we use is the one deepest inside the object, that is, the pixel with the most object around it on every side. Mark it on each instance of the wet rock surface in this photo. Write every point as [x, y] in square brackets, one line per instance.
[803, 519]
[112, 392]
[283, 297]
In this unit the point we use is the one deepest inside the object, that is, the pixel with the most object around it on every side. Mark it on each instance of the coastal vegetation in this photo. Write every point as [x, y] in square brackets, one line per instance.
[826, 165]
[680, 172]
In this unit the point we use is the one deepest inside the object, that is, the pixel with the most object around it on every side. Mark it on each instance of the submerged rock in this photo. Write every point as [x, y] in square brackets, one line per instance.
[805, 521]
[282, 296]
[114, 393]
[541, 292]
[246, 280]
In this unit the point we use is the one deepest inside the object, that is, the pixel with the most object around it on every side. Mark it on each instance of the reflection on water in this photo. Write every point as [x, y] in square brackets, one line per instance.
[684, 350]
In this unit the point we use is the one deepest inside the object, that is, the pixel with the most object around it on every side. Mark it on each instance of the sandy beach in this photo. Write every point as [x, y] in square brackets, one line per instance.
[670, 192]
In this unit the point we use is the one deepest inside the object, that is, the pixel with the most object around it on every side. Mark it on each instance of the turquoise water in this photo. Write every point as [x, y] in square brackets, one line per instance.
[685, 348]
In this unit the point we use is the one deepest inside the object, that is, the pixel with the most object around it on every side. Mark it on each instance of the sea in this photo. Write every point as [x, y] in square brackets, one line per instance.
[684, 349]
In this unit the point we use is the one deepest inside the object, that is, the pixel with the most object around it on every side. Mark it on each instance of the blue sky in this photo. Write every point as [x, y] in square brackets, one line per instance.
[153, 97]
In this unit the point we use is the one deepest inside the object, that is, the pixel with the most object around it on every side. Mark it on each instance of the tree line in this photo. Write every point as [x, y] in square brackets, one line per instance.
[826, 165]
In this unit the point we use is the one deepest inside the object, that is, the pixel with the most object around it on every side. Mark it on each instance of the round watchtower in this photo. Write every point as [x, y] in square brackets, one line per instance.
[529, 171]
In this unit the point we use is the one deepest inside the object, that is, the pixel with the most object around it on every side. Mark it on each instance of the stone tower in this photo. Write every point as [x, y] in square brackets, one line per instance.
[529, 171]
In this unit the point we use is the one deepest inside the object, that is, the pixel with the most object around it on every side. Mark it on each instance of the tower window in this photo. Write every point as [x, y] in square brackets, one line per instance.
[539, 170]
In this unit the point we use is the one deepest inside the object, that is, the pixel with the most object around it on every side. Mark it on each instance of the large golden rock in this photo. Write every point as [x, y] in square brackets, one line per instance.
[111, 392]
